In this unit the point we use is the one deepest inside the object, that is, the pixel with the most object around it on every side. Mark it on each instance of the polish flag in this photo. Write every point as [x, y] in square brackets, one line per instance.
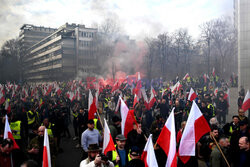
[138, 86]
[117, 105]
[96, 96]
[47, 93]
[246, 102]
[216, 91]
[205, 78]
[144, 95]
[115, 87]
[152, 99]
[213, 72]
[108, 144]
[135, 101]
[71, 96]
[176, 87]
[128, 118]
[58, 90]
[192, 95]
[46, 150]
[185, 77]
[7, 106]
[25, 92]
[195, 128]
[167, 141]
[91, 106]
[8, 133]
[148, 155]
[78, 95]
[2, 99]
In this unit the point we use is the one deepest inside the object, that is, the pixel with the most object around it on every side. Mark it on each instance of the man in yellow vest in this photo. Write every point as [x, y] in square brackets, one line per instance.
[120, 157]
[229, 128]
[50, 127]
[210, 107]
[15, 126]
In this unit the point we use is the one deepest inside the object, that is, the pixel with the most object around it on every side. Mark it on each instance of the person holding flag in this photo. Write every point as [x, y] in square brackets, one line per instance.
[36, 146]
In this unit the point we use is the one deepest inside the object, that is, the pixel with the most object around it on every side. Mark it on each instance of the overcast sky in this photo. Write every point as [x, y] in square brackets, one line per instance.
[138, 18]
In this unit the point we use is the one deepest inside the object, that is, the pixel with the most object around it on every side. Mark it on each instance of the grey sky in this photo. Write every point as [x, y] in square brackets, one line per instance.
[138, 18]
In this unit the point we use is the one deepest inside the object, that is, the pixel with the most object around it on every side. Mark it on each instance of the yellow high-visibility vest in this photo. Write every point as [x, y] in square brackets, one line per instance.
[213, 111]
[31, 120]
[16, 129]
[75, 114]
[114, 155]
[49, 130]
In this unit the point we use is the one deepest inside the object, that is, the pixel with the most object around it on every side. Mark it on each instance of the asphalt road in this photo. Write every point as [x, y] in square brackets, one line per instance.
[71, 156]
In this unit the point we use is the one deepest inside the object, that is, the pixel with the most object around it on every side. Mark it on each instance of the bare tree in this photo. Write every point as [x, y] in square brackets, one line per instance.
[223, 36]
[9, 61]
[206, 36]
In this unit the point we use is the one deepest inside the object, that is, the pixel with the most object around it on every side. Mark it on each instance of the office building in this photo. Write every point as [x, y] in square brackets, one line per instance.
[242, 24]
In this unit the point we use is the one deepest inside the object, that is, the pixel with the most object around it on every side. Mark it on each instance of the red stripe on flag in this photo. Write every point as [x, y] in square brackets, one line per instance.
[130, 120]
[144, 158]
[110, 146]
[246, 105]
[10, 136]
[201, 128]
[45, 157]
[164, 139]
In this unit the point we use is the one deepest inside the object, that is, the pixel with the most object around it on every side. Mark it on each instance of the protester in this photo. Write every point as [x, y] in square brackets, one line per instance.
[90, 136]
[32, 104]
[120, 155]
[95, 159]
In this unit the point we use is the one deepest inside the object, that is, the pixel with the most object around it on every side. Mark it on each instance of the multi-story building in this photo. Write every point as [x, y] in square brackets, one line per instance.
[242, 24]
[61, 55]
[30, 34]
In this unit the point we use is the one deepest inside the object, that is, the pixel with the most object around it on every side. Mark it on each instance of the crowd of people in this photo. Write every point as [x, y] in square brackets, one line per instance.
[32, 108]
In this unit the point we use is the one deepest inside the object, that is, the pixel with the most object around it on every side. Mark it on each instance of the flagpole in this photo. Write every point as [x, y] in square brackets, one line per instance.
[100, 118]
[220, 149]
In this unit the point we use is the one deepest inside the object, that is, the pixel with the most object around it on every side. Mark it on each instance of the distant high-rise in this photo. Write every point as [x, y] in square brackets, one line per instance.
[242, 24]
[60, 54]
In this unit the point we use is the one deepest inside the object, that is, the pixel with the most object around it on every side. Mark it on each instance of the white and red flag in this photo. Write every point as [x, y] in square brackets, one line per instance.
[185, 77]
[144, 95]
[192, 95]
[195, 128]
[216, 91]
[7, 106]
[148, 155]
[96, 96]
[115, 86]
[205, 77]
[2, 99]
[213, 72]
[108, 143]
[91, 106]
[8, 133]
[246, 102]
[167, 141]
[176, 87]
[48, 90]
[152, 99]
[136, 100]
[71, 96]
[58, 90]
[46, 150]
[128, 118]
[138, 87]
